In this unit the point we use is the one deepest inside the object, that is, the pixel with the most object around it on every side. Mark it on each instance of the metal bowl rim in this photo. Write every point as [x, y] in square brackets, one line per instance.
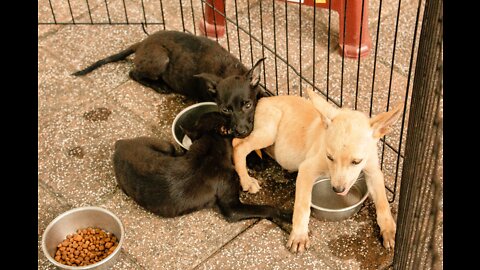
[342, 209]
[78, 209]
[182, 113]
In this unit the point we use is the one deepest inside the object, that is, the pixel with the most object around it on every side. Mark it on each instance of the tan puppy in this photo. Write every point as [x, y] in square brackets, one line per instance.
[315, 138]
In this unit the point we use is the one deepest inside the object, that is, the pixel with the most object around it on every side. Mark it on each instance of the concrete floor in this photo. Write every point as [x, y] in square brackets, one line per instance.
[74, 148]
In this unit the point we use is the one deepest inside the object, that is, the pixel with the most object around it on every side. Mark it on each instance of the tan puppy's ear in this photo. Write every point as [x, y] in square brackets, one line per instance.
[381, 123]
[326, 110]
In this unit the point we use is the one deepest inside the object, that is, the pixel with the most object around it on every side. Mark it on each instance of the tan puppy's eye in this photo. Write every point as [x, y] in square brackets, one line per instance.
[356, 161]
[330, 157]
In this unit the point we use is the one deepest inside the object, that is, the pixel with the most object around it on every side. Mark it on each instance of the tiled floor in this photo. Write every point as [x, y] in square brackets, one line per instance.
[75, 150]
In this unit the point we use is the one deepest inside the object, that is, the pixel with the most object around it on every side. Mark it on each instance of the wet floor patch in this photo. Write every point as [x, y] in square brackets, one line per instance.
[366, 212]
[362, 247]
[276, 187]
[98, 114]
[76, 152]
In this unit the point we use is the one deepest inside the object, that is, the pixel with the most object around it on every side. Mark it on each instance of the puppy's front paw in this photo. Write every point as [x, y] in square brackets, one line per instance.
[236, 141]
[388, 236]
[298, 242]
[251, 185]
[387, 229]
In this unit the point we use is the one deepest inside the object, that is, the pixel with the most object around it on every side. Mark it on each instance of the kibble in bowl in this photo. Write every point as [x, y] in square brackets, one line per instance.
[83, 238]
[87, 246]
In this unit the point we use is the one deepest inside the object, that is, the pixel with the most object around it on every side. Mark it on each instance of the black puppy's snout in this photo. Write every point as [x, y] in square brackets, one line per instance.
[338, 189]
[242, 131]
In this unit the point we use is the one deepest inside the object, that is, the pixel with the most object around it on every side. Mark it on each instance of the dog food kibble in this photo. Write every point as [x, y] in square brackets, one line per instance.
[86, 246]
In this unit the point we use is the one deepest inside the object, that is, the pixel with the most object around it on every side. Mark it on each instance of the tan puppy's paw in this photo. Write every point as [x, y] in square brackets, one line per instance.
[387, 230]
[236, 142]
[298, 242]
[388, 236]
[251, 185]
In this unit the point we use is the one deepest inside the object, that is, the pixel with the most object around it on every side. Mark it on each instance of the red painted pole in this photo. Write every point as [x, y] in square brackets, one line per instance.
[353, 23]
[214, 23]
[352, 30]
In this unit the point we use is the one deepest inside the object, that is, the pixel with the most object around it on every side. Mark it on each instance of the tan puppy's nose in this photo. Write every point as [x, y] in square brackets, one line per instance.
[338, 189]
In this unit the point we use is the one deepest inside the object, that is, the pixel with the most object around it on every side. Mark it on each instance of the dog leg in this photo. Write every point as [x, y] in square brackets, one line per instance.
[234, 210]
[258, 139]
[157, 85]
[241, 211]
[236, 141]
[240, 152]
[164, 147]
[298, 240]
[376, 188]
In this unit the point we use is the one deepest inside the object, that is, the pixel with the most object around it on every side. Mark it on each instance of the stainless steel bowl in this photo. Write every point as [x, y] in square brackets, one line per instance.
[79, 218]
[187, 118]
[328, 205]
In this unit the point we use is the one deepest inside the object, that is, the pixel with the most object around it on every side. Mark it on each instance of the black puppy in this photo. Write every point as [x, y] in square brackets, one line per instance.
[170, 183]
[197, 67]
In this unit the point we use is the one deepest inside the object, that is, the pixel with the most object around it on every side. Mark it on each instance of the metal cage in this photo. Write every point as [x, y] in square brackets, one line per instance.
[360, 54]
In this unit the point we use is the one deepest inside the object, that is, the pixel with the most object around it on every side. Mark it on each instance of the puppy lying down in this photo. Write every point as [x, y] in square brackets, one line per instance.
[171, 182]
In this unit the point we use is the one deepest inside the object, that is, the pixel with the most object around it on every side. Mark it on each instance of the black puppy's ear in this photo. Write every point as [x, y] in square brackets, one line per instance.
[211, 80]
[253, 75]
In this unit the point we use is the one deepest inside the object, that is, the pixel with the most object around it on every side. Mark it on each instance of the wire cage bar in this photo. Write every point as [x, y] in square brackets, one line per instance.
[420, 203]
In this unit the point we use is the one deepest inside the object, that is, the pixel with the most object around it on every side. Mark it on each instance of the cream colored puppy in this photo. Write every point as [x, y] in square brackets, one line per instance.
[315, 138]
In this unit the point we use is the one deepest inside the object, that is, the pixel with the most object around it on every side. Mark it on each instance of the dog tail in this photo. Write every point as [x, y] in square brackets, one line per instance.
[113, 58]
